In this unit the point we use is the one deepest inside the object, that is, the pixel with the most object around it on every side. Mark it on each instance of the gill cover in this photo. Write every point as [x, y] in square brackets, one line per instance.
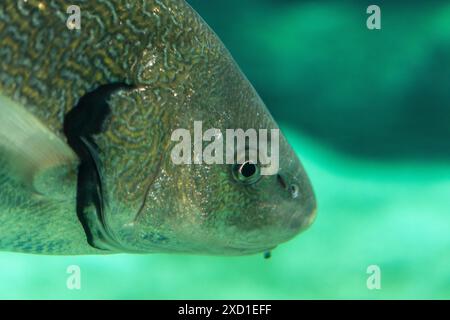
[84, 121]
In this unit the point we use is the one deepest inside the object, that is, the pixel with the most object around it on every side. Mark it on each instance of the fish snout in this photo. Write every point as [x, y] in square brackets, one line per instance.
[301, 203]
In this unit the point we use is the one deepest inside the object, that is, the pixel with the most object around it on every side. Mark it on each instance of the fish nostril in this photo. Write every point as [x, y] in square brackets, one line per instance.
[293, 188]
[281, 181]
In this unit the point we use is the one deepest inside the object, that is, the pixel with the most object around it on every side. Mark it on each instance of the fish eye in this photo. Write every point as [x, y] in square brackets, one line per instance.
[247, 173]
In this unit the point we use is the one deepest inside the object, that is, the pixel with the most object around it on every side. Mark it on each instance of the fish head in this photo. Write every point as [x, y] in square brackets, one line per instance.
[244, 206]
[247, 206]
[159, 203]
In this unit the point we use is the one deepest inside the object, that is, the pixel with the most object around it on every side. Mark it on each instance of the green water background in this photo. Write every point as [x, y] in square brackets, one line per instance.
[369, 114]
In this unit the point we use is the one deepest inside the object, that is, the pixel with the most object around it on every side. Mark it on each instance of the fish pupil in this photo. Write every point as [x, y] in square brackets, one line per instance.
[246, 173]
[248, 169]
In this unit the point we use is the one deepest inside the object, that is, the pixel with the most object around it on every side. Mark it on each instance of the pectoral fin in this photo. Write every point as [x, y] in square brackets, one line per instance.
[32, 154]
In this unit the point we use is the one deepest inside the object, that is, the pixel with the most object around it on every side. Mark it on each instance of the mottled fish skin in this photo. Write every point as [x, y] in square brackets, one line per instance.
[181, 73]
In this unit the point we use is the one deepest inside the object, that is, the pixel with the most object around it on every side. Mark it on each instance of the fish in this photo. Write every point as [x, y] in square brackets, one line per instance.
[86, 121]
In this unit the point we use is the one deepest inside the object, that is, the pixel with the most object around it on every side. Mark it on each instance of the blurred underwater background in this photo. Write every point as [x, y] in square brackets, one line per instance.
[368, 112]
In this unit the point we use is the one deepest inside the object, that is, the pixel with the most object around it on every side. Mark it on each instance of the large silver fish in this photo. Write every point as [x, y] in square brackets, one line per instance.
[86, 117]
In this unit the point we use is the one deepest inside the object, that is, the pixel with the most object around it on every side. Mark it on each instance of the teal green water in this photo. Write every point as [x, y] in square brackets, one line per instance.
[393, 215]
[369, 114]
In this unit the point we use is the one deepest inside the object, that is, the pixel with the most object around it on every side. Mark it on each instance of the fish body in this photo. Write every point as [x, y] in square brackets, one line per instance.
[85, 169]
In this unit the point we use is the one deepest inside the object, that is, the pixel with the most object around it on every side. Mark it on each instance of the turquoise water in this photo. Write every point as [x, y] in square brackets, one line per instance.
[392, 215]
[368, 114]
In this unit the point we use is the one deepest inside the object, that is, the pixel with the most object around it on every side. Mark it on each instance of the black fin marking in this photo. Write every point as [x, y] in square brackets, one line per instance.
[80, 124]
[267, 254]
